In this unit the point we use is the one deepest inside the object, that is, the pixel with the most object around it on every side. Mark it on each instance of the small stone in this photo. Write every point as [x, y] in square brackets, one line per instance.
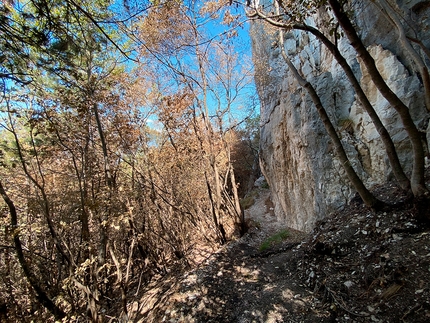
[348, 284]
[385, 255]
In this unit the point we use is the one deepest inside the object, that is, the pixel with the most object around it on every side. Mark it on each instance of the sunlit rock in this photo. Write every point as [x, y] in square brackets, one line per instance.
[306, 180]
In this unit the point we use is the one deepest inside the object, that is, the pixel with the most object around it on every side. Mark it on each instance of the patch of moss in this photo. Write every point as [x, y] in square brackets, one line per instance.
[248, 200]
[346, 125]
[275, 239]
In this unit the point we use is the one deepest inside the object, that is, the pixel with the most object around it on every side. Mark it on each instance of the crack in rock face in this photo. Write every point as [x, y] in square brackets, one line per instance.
[306, 179]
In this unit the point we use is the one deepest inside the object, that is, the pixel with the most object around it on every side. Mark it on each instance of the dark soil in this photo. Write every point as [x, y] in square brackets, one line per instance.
[356, 266]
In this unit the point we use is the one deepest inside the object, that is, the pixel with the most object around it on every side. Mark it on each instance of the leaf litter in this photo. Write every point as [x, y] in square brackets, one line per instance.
[355, 266]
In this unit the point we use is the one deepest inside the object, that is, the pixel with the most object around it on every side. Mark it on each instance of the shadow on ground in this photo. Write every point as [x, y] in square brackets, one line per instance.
[356, 266]
[238, 284]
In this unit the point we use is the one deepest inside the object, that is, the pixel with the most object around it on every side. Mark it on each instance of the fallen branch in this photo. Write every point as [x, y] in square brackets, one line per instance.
[342, 305]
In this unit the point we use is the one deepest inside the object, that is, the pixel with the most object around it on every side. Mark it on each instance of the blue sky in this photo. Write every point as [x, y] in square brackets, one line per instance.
[216, 31]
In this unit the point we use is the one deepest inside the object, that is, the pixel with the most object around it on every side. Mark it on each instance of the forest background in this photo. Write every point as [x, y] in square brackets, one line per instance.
[121, 125]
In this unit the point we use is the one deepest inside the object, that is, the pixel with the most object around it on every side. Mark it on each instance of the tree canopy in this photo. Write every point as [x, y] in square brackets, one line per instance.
[117, 127]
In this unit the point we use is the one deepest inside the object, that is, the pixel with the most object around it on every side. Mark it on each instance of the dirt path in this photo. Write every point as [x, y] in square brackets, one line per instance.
[357, 266]
[240, 283]
[262, 219]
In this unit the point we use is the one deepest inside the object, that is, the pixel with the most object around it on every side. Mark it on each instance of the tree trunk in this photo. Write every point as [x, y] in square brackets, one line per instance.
[108, 174]
[364, 193]
[385, 136]
[403, 40]
[42, 296]
[417, 179]
[41, 188]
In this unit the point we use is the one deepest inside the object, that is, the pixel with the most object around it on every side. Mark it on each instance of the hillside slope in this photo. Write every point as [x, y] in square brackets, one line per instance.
[356, 266]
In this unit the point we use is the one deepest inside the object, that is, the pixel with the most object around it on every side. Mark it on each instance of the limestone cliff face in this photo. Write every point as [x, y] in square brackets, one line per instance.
[297, 158]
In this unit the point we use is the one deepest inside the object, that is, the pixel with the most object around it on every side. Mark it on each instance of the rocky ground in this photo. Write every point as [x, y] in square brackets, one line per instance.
[356, 266]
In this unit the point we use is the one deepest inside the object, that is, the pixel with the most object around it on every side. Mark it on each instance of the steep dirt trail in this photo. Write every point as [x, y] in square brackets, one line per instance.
[237, 284]
[356, 266]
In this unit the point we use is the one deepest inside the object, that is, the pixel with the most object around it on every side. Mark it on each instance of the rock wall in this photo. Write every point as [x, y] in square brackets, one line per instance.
[297, 158]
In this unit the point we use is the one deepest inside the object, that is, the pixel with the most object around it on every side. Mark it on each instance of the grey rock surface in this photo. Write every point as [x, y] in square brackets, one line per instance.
[306, 179]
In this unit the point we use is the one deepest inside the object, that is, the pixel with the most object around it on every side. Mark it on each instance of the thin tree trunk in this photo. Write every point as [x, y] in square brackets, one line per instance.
[417, 179]
[238, 209]
[215, 212]
[423, 70]
[367, 197]
[236, 201]
[109, 182]
[385, 136]
[215, 201]
[108, 173]
[422, 46]
[82, 178]
[42, 296]
[41, 188]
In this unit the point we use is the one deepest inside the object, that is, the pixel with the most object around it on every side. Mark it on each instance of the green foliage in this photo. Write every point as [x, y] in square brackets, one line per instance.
[250, 129]
[248, 200]
[301, 9]
[265, 185]
[275, 239]
[49, 35]
[346, 125]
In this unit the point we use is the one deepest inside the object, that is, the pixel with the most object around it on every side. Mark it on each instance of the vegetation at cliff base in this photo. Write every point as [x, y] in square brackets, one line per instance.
[275, 239]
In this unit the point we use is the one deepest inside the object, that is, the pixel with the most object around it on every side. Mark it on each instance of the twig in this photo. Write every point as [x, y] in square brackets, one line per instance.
[343, 306]
[138, 286]
[412, 309]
